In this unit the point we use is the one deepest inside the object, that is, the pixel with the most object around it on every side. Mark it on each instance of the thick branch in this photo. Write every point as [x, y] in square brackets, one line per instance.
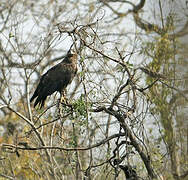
[146, 25]
[145, 158]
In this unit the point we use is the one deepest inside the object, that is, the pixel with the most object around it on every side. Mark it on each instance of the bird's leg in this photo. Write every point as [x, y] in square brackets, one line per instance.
[63, 98]
[60, 107]
[62, 102]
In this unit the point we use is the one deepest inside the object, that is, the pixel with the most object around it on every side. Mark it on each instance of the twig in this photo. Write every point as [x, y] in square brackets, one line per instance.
[9, 146]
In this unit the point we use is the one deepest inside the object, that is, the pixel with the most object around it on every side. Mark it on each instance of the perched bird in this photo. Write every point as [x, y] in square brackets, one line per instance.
[56, 79]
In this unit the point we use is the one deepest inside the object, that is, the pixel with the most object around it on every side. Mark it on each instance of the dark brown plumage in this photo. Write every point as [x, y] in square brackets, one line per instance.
[56, 79]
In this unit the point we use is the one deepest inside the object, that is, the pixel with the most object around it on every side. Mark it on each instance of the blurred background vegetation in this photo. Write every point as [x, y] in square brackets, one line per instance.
[127, 107]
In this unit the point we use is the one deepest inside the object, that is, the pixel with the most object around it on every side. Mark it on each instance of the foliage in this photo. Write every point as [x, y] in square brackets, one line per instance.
[127, 106]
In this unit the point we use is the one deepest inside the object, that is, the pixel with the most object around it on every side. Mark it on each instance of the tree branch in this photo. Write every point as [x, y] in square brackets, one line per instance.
[27, 147]
[145, 158]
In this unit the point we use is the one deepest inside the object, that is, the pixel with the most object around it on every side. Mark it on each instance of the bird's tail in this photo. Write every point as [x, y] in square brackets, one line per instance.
[39, 101]
[33, 97]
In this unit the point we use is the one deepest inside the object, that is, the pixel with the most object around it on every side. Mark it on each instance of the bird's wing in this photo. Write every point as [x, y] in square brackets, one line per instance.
[45, 78]
[53, 80]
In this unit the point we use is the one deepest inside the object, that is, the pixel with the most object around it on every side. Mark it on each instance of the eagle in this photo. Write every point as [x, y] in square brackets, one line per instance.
[56, 79]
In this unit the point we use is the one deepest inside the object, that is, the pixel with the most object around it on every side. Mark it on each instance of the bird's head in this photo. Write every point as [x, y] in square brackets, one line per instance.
[72, 49]
[71, 56]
